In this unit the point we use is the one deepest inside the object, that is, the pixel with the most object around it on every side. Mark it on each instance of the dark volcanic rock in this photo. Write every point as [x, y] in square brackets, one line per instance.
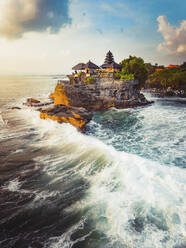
[168, 92]
[13, 108]
[31, 102]
[102, 95]
[78, 117]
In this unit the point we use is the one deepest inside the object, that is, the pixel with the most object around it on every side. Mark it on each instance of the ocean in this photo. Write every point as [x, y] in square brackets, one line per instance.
[122, 185]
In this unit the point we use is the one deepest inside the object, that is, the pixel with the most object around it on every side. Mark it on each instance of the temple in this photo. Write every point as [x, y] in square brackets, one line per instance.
[90, 88]
[89, 68]
[110, 65]
[92, 69]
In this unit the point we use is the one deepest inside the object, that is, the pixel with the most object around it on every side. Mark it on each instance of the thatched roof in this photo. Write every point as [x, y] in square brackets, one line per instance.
[80, 66]
[113, 65]
[91, 65]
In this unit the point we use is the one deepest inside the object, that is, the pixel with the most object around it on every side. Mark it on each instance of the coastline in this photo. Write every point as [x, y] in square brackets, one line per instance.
[67, 179]
[157, 92]
[75, 103]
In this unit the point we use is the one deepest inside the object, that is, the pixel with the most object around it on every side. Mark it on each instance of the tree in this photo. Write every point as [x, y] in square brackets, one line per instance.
[109, 58]
[90, 80]
[150, 68]
[127, 77]
[183, 66]
[136, 66]
[173, 78]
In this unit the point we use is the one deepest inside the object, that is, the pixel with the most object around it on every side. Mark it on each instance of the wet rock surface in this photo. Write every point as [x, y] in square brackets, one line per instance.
[168, 92]
[31, 102]
[78, 117]
[15, 108]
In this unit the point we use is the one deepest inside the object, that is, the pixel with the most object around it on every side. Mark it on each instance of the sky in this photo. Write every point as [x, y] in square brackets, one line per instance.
[51, 36]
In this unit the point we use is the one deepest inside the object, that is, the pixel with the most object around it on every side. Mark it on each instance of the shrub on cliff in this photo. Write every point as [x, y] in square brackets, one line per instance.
[90, 80]
[127, 77]
[117, 75]
[80, 73]
[136, 66]
[123, 76]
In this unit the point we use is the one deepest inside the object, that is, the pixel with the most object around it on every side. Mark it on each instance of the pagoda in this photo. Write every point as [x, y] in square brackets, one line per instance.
[109, 64]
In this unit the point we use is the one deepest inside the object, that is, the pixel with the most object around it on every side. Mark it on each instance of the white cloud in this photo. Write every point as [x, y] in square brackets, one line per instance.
[20, 16]
[174, 37]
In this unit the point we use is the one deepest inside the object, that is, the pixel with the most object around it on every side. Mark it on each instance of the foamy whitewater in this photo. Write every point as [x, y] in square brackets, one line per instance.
[121, 185]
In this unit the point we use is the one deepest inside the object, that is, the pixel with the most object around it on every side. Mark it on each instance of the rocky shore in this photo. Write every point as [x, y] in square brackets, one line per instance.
[168, 92]
[74, 103]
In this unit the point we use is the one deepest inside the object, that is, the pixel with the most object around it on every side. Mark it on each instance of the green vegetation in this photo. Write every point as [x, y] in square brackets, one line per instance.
[90, 80]
[123, 76]
[135, 66]
[127, 77]
[173, 78]
[148, 75]
[117, 75]
[79, 73]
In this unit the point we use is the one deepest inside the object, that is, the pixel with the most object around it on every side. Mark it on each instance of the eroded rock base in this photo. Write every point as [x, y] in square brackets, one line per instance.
[78, 117]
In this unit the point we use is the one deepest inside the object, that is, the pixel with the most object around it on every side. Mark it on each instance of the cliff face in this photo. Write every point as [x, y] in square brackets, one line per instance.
[74, 100]
[100, 95]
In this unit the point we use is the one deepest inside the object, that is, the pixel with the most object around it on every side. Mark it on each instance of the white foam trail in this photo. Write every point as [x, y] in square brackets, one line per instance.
[65, 239]
[2, 121]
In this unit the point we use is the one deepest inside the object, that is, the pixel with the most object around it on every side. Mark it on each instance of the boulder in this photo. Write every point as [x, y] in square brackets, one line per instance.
[51, 96]
[78, 117]
[32, 100]
[13, 108]
[36, 103]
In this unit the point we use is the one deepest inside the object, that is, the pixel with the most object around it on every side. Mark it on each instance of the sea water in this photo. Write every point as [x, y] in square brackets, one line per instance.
[123, 184]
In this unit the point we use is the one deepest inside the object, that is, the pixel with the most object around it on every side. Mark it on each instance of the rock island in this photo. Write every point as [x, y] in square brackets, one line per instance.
[90, 88]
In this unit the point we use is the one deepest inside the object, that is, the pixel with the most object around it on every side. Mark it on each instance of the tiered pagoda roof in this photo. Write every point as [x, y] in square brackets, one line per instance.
[109, 62]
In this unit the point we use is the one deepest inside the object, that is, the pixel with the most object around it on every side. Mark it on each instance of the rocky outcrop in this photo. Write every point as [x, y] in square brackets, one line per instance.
[78, 117]
[31, 102]
[15, 108]
[73, 101]
[167, 92]
[98, 96]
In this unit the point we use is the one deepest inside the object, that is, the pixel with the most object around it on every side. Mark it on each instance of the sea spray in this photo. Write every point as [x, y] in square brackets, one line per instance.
[134, 200]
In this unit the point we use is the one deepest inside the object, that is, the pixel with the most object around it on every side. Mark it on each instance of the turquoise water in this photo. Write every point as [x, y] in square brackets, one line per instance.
[156, 132]
[121, 185]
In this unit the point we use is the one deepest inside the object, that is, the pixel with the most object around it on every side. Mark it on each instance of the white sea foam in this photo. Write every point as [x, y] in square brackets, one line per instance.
[126, 191]
[13, 185]
[65, 240]
[2, 121]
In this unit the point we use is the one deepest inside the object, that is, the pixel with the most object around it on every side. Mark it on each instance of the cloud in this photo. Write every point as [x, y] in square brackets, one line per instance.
[174, 37]
[20, 16]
